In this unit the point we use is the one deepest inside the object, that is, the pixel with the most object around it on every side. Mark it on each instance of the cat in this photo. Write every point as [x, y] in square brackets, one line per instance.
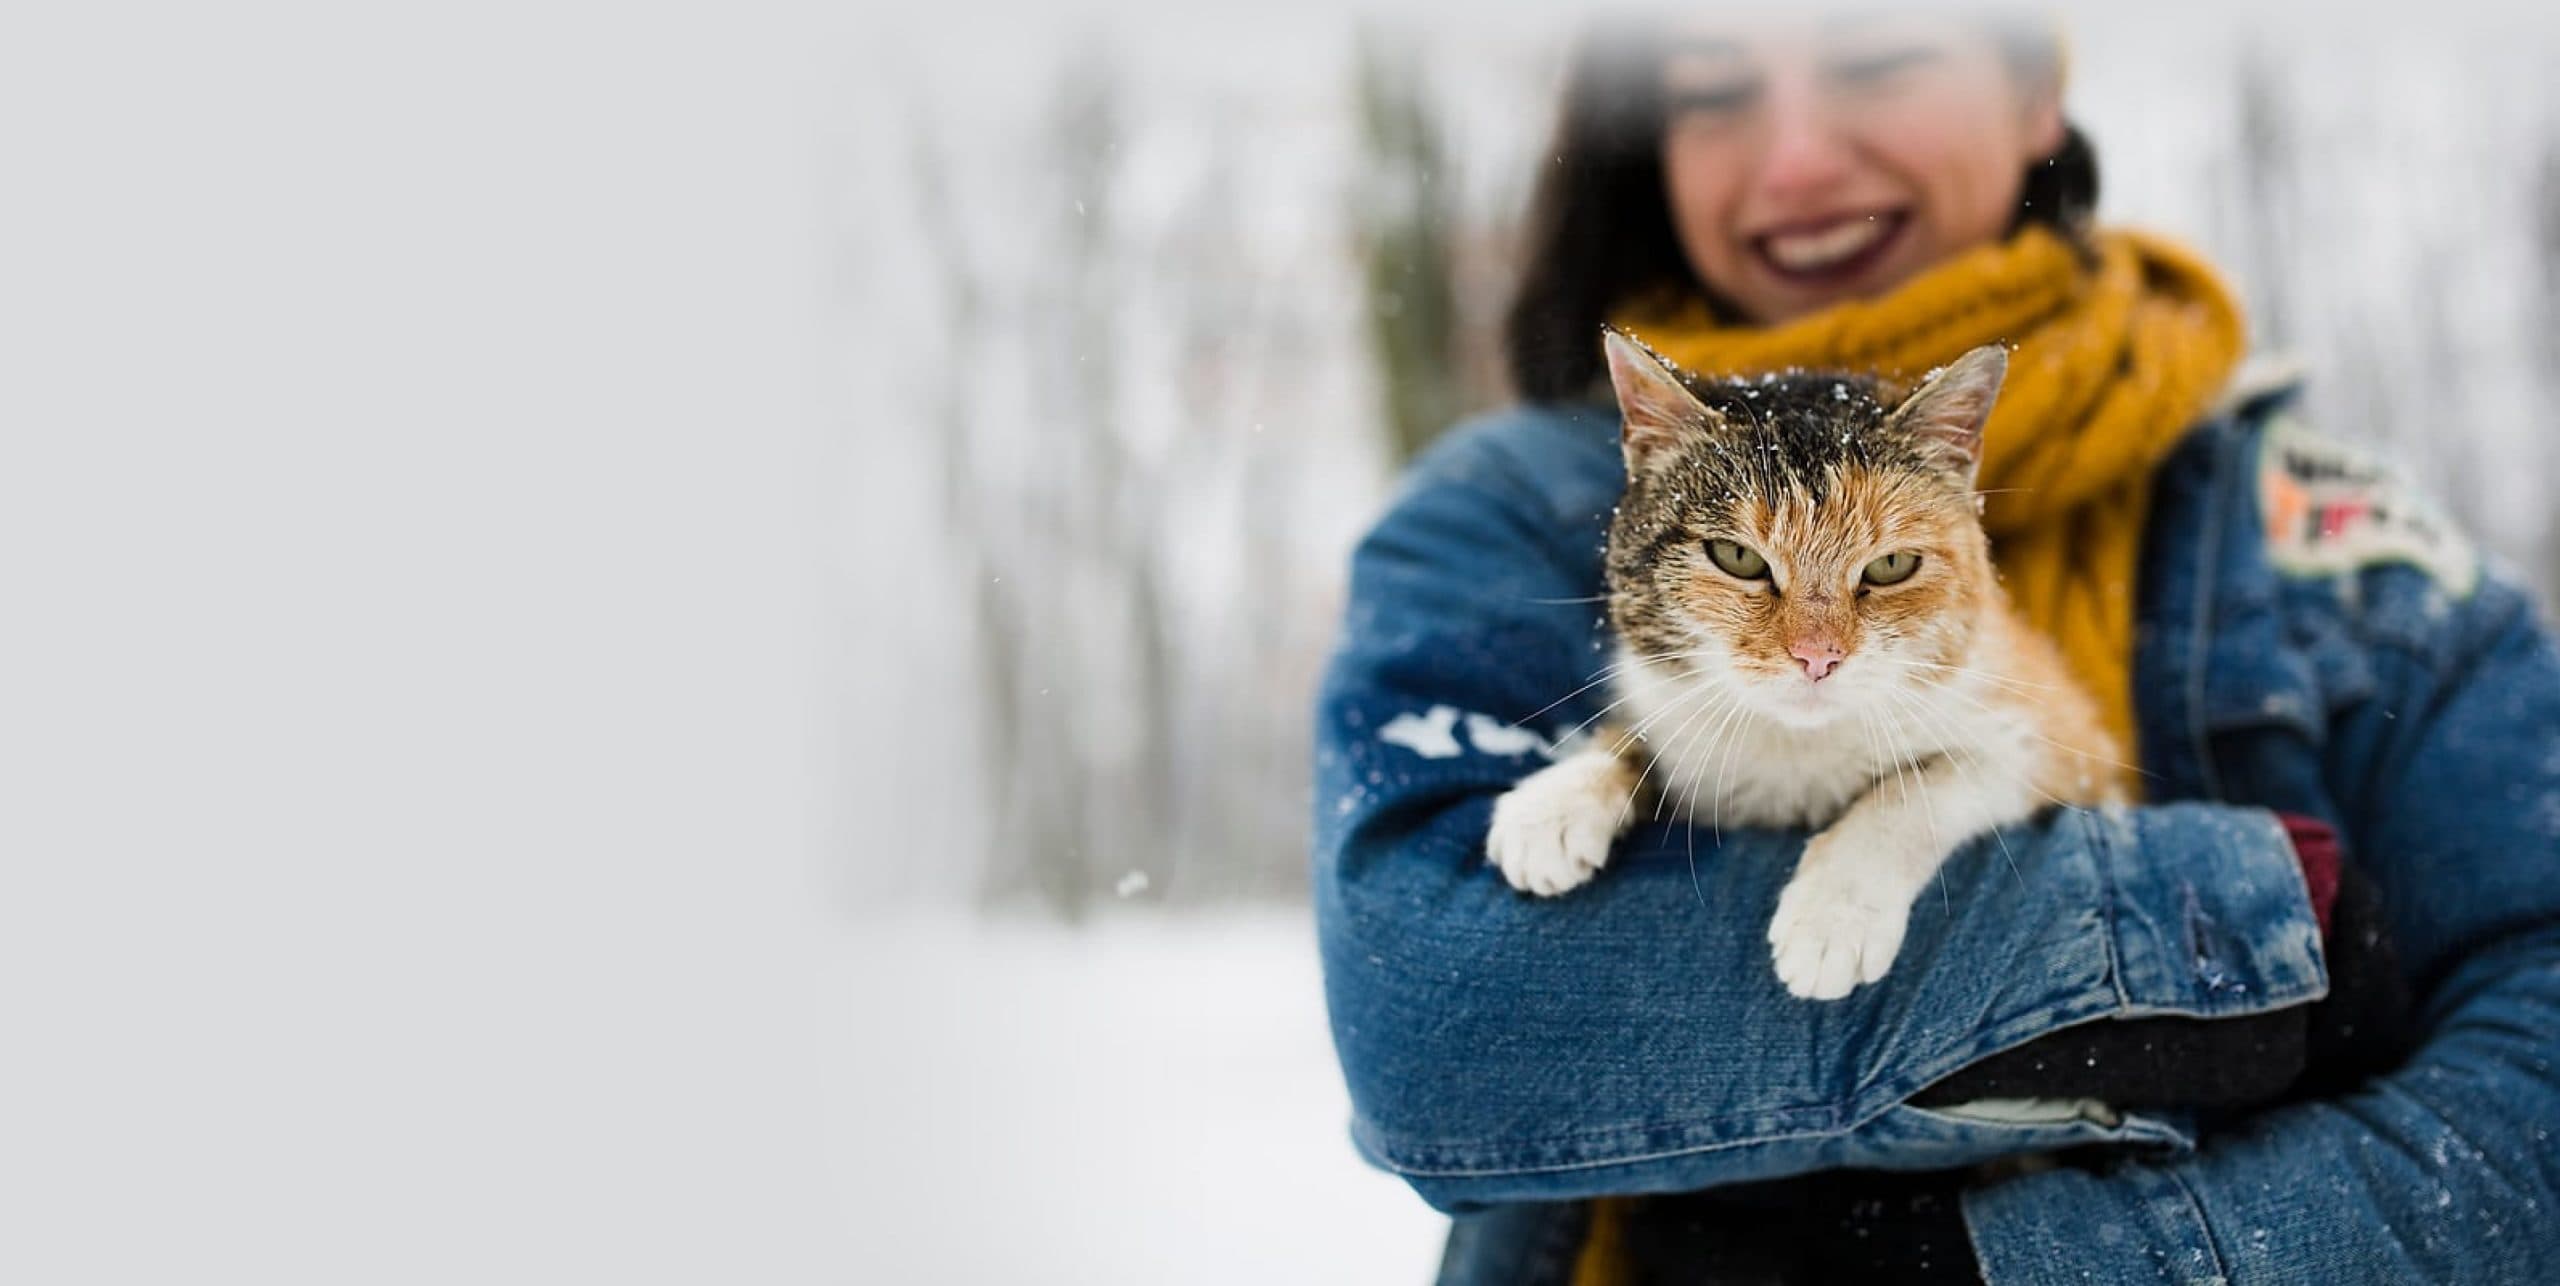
[1810, 634]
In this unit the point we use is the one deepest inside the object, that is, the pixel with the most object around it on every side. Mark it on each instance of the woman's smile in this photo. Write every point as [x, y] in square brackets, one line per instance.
[1832, 253]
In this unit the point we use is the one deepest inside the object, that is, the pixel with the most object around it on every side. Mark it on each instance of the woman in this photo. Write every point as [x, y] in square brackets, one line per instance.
[2304, 656]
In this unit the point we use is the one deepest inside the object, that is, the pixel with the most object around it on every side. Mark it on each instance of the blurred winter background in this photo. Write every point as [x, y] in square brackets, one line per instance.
[670, 645]
[1139, 322]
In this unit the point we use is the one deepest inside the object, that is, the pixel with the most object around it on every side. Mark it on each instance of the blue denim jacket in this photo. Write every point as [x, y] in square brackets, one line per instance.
[1632, 1038]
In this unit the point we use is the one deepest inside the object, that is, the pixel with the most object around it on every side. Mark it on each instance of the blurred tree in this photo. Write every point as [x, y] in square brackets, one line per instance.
[979, 552]
[1052, 518]
[1404, 221]
[1095, 791]
[2546, 254]
[2267, 186]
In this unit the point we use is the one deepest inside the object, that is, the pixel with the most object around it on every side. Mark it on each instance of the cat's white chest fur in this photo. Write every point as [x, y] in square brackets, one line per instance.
[1722, 761]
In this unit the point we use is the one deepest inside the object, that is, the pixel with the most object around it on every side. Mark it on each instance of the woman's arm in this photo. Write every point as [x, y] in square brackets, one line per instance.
[1632, 1037]
[2448, 1169]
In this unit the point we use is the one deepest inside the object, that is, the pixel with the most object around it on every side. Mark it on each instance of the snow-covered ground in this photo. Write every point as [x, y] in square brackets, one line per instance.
[1134, 1101]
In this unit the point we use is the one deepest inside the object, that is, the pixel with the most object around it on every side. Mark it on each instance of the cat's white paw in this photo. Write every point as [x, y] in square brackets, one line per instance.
[1551, 833]
[1837, 926]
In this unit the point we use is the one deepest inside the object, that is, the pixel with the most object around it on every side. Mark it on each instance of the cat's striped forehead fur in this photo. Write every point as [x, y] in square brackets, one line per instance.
[1797, 435]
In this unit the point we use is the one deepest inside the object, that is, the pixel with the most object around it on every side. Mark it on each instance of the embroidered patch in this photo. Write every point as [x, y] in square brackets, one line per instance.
[2330, 508]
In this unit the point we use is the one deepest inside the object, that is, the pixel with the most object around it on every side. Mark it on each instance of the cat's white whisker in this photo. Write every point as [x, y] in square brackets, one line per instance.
[1946, 901]
[1727, 733]
[2023, 778]
[1597, 716]
[1678, 778]
[1711, 743]
[2077, 752]
[1704, 699]
[1630, 738]
[1937, 720]
[1607, 672]
[1902, 776]
[1984, 675]
[1653, 761]
[2094, 757]
[1928, 808]
[1884, 758]
[1891, 730]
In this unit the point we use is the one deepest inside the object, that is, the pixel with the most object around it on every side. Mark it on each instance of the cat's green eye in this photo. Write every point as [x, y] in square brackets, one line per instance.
[1737, 560]
[1892, 569]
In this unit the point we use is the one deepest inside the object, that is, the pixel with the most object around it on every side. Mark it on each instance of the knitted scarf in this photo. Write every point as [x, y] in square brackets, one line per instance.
[2118, 345]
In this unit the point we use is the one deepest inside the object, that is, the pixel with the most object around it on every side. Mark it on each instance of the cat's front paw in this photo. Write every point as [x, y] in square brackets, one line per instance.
[1551, 833]
[1836, 927]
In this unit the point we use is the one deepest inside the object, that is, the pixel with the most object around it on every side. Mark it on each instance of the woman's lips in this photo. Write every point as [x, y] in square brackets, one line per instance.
[1830, 253]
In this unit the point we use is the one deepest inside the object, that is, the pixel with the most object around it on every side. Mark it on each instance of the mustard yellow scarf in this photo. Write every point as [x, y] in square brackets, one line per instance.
[2117, 347]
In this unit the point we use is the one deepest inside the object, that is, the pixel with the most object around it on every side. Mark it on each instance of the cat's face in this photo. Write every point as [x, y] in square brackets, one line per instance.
[1810, 551]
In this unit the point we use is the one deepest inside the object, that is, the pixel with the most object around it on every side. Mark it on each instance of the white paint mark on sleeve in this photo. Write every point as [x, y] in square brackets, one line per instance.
[1505, 739]
[1426, 734]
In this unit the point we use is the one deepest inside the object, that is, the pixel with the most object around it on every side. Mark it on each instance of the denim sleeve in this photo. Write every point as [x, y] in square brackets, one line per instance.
[1631, 1036]
[2444, 1170]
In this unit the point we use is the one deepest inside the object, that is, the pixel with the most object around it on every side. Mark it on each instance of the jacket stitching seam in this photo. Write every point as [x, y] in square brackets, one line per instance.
[2200, 618]
[2201, 1229]
[2103, 851]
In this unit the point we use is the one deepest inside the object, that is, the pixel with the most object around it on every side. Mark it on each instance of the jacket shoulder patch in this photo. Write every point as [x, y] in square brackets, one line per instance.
[2330, 509]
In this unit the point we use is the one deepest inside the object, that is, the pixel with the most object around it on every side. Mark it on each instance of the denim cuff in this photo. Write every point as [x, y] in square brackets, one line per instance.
[2068, 1227]
[2227, 928]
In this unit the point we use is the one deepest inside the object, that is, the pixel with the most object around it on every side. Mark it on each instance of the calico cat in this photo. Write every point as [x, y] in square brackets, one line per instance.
[1810, 634]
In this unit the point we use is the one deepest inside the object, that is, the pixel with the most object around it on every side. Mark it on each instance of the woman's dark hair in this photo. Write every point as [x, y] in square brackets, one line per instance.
[1599, 231]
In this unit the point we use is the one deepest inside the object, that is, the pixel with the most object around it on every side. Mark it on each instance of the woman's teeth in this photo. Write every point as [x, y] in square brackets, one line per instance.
[1826, 247]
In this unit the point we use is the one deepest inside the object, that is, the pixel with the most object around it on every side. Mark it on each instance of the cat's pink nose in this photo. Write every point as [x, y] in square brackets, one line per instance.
[1820, 657]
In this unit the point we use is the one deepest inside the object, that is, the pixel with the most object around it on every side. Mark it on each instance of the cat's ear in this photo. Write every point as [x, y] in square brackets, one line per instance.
[1656, 412]
[1947, 412]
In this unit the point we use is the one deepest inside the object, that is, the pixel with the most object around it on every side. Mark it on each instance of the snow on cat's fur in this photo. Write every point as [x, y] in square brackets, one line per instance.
[1783, 660]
